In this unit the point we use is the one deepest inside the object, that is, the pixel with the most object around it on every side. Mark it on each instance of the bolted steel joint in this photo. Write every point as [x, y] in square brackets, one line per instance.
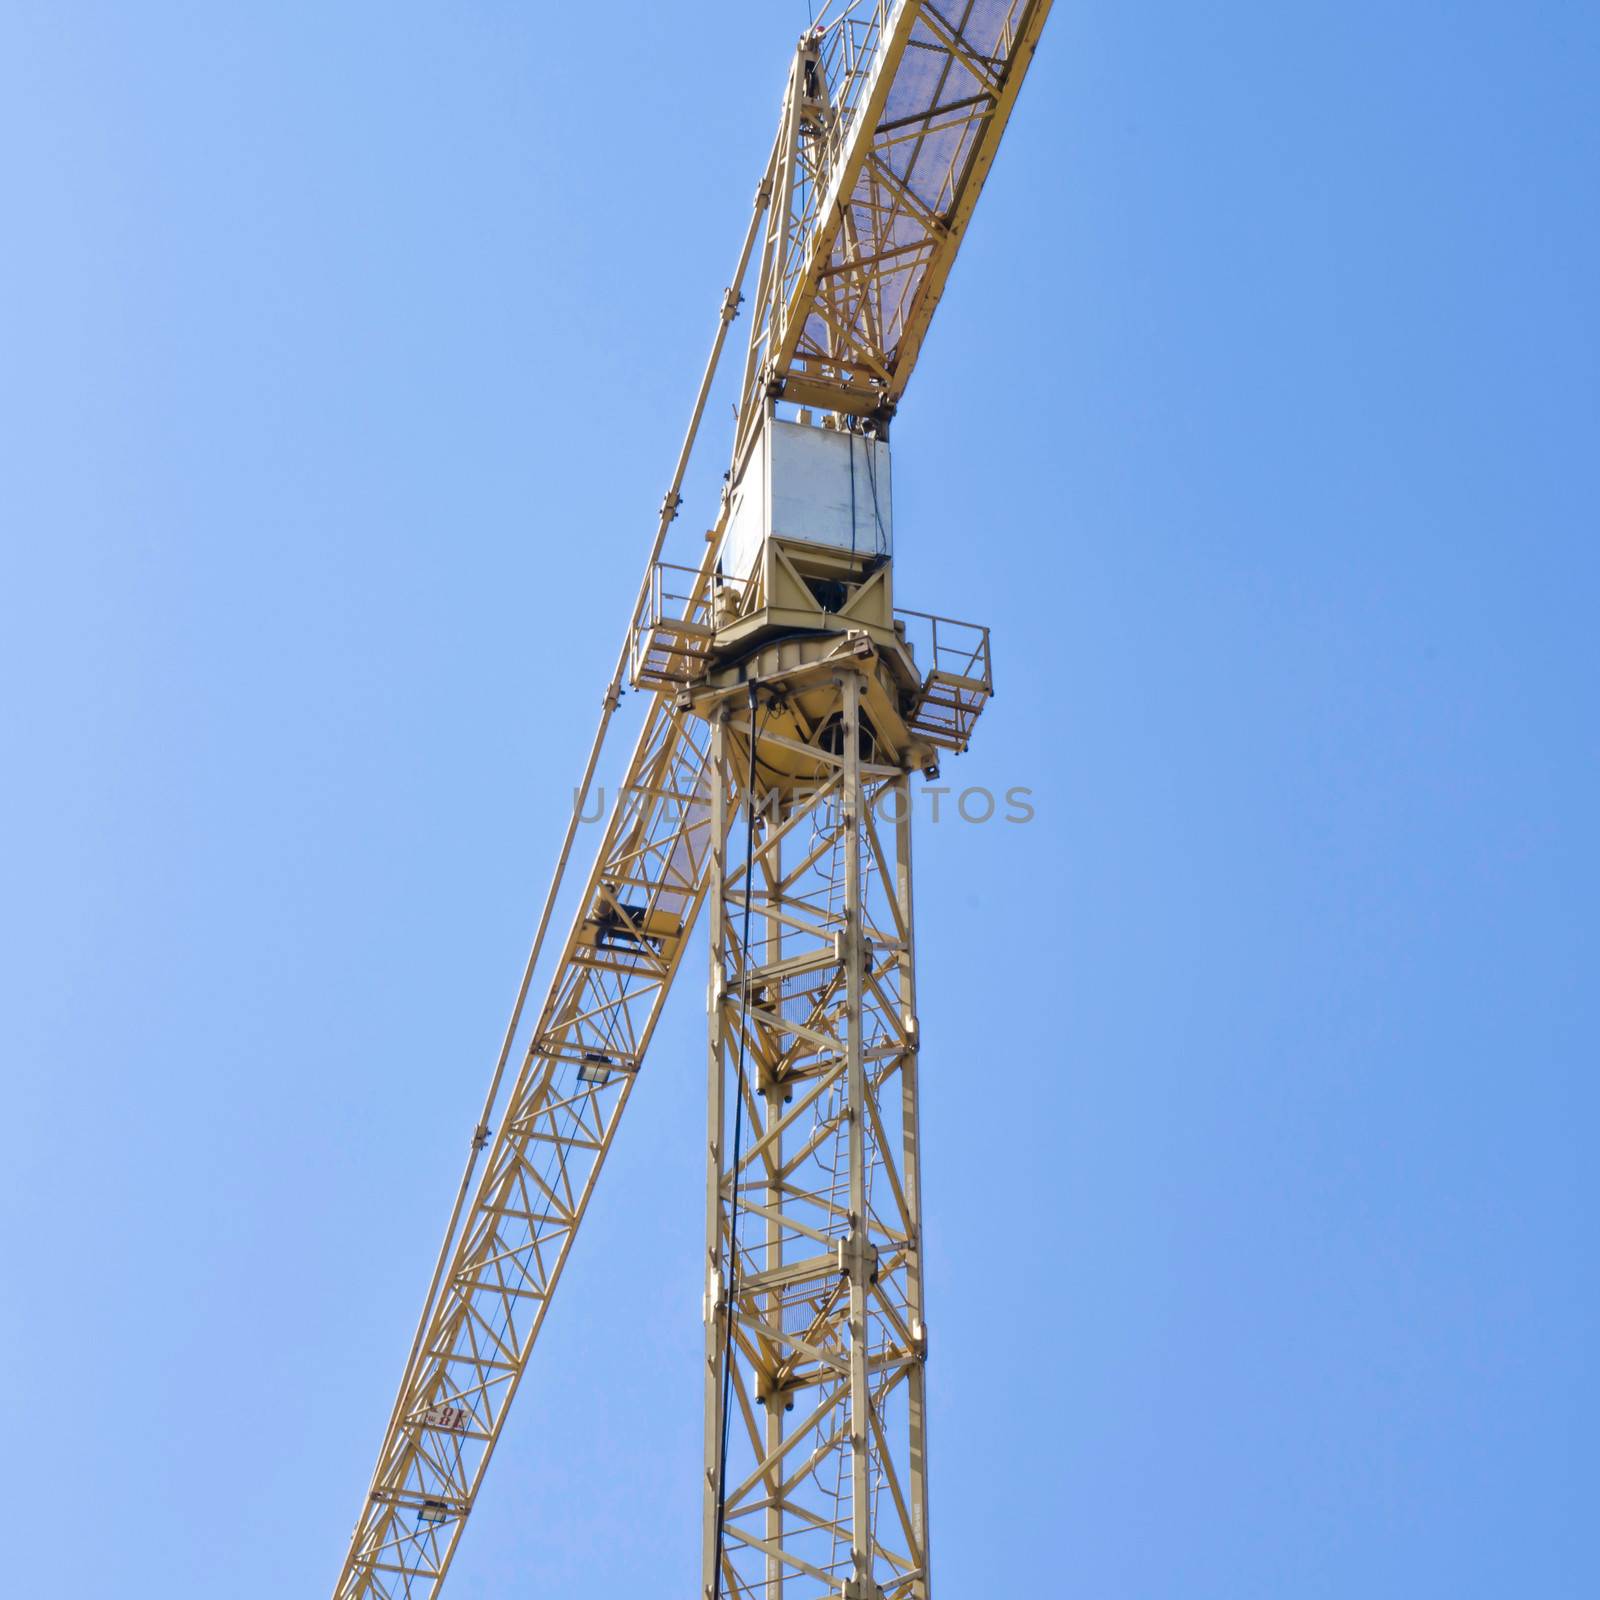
[772, 1391]
[856, 1258]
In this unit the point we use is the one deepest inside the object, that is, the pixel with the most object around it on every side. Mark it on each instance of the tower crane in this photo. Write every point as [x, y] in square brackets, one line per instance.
[788, 704]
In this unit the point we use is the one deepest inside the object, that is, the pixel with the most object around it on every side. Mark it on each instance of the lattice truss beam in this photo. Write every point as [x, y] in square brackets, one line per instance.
[825, 1489]
[892, 120]
[561, 1116]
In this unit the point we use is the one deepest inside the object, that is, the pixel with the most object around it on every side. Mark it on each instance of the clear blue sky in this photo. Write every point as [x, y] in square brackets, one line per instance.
[344, 350]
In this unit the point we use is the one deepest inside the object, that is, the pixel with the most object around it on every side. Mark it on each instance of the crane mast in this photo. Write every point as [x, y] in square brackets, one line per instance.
[788, 704]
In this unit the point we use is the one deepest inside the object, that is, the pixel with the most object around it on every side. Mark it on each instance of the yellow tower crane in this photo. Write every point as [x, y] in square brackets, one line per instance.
[789, 704]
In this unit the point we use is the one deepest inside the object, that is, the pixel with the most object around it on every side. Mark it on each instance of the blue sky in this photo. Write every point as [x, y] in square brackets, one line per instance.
[345, 351]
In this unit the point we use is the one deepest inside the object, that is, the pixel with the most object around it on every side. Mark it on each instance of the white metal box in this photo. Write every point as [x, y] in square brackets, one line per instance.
[819, 485]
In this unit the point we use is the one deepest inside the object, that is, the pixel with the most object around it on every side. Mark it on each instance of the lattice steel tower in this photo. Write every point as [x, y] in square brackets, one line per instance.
[815, 1445]
[788, 705]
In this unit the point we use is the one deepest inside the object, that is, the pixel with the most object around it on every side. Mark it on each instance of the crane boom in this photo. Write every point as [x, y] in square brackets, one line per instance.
[889, 123]
[899, 111]
[556, 1127]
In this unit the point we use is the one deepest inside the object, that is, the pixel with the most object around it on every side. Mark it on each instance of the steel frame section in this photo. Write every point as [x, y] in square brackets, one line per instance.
[559, 1122]
[880, 155]
[505, 1242]
[892, 118]
[814, 1232]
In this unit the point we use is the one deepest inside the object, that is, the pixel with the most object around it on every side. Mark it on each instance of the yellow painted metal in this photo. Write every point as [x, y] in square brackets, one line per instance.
[841, 302]
[885, 165]
[814, 1308]
[511, 1228]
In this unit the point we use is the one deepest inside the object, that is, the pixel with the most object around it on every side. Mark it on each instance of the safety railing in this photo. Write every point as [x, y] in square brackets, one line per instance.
[676, 623]
[958, 677]
[675, 630]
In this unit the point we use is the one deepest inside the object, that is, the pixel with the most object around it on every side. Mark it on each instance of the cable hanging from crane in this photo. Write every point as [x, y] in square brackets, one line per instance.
[738, 1138]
